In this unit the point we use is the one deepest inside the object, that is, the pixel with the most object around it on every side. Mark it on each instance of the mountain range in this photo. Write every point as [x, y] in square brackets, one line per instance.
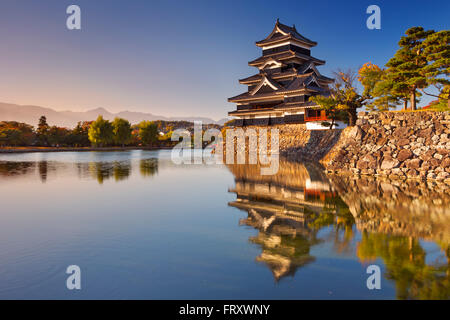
[31, 114]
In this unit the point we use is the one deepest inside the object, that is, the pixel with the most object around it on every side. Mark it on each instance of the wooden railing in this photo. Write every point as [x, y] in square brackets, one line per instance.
[319, 118]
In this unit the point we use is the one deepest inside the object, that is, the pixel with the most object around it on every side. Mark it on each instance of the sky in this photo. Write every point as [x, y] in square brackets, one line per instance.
[180, 58]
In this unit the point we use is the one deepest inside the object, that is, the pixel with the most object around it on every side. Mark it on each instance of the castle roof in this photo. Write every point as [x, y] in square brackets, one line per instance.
[281, 33]
[282, 56]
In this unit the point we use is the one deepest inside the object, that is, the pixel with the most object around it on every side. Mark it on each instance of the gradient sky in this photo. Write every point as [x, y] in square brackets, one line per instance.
[179, 58]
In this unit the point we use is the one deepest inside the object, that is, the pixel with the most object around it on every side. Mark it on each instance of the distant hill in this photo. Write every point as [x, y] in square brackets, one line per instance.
[31, 114]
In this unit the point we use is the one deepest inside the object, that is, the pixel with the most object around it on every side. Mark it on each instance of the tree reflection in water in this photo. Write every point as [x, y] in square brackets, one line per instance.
[100, 171]
[121, 170]
[11, 169]
[393, 217]
[43, 170]
[148, 167]
[404, 258]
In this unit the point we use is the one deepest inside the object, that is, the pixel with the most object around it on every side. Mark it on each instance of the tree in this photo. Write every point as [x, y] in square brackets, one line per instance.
[405, 69]
[80, 134]
[101, 132]
[378, 88]
[42, 131]
[329, 105]
[423, 60]
[122, 131]
[436, 48]
[14, 133]
[58, 136]
[343, 97]
[148, 132]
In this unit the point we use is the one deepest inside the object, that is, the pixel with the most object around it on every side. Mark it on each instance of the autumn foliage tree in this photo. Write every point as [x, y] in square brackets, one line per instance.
[344, 98]
[14, 133]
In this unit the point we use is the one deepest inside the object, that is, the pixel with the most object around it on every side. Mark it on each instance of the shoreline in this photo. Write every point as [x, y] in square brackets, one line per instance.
[349, 174]
[74, 149]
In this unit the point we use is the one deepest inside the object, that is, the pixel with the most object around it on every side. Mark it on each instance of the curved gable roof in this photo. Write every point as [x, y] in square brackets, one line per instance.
[266, 80]
[282, 32]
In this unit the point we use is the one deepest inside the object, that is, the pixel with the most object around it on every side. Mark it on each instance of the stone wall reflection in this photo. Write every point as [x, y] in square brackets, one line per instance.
[412, 208]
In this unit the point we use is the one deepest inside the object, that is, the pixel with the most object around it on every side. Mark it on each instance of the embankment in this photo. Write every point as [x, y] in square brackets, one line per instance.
[298, 144]
[395, 145]
[390, 144]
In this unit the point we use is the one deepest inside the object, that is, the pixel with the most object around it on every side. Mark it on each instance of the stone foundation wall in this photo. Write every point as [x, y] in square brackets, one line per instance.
[297, 143]
[396, 145]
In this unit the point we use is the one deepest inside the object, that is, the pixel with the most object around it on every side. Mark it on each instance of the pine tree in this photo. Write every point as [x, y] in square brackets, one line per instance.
[42, 131]
[436, 48]
[378, 88]
[405, 71]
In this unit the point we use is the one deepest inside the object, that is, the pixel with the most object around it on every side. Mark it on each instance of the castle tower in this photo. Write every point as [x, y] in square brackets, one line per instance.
[287, 77]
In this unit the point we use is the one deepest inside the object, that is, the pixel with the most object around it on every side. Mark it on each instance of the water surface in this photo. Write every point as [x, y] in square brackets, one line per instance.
[141, 227]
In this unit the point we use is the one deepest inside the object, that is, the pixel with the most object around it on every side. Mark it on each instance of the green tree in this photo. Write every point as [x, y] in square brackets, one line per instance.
[58, 136]
[378, 88]
[80, 134]
[122, 131]
[148, 132]
[101, 132]
[329, 105]
[436, 48]
[42, 131]
[405, 71]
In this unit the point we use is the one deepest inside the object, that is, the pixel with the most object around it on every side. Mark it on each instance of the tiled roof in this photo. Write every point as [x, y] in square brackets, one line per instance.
[256, 96]
[276, 75]
[283, 56]
[306, 66]
[298, 85]
[298, 82]
[291, 33]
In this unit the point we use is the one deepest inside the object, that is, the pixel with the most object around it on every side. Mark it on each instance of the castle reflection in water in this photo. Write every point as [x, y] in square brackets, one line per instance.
[391, 218]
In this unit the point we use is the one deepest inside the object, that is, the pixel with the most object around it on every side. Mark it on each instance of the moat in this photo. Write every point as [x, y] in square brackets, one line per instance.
[141, 227]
